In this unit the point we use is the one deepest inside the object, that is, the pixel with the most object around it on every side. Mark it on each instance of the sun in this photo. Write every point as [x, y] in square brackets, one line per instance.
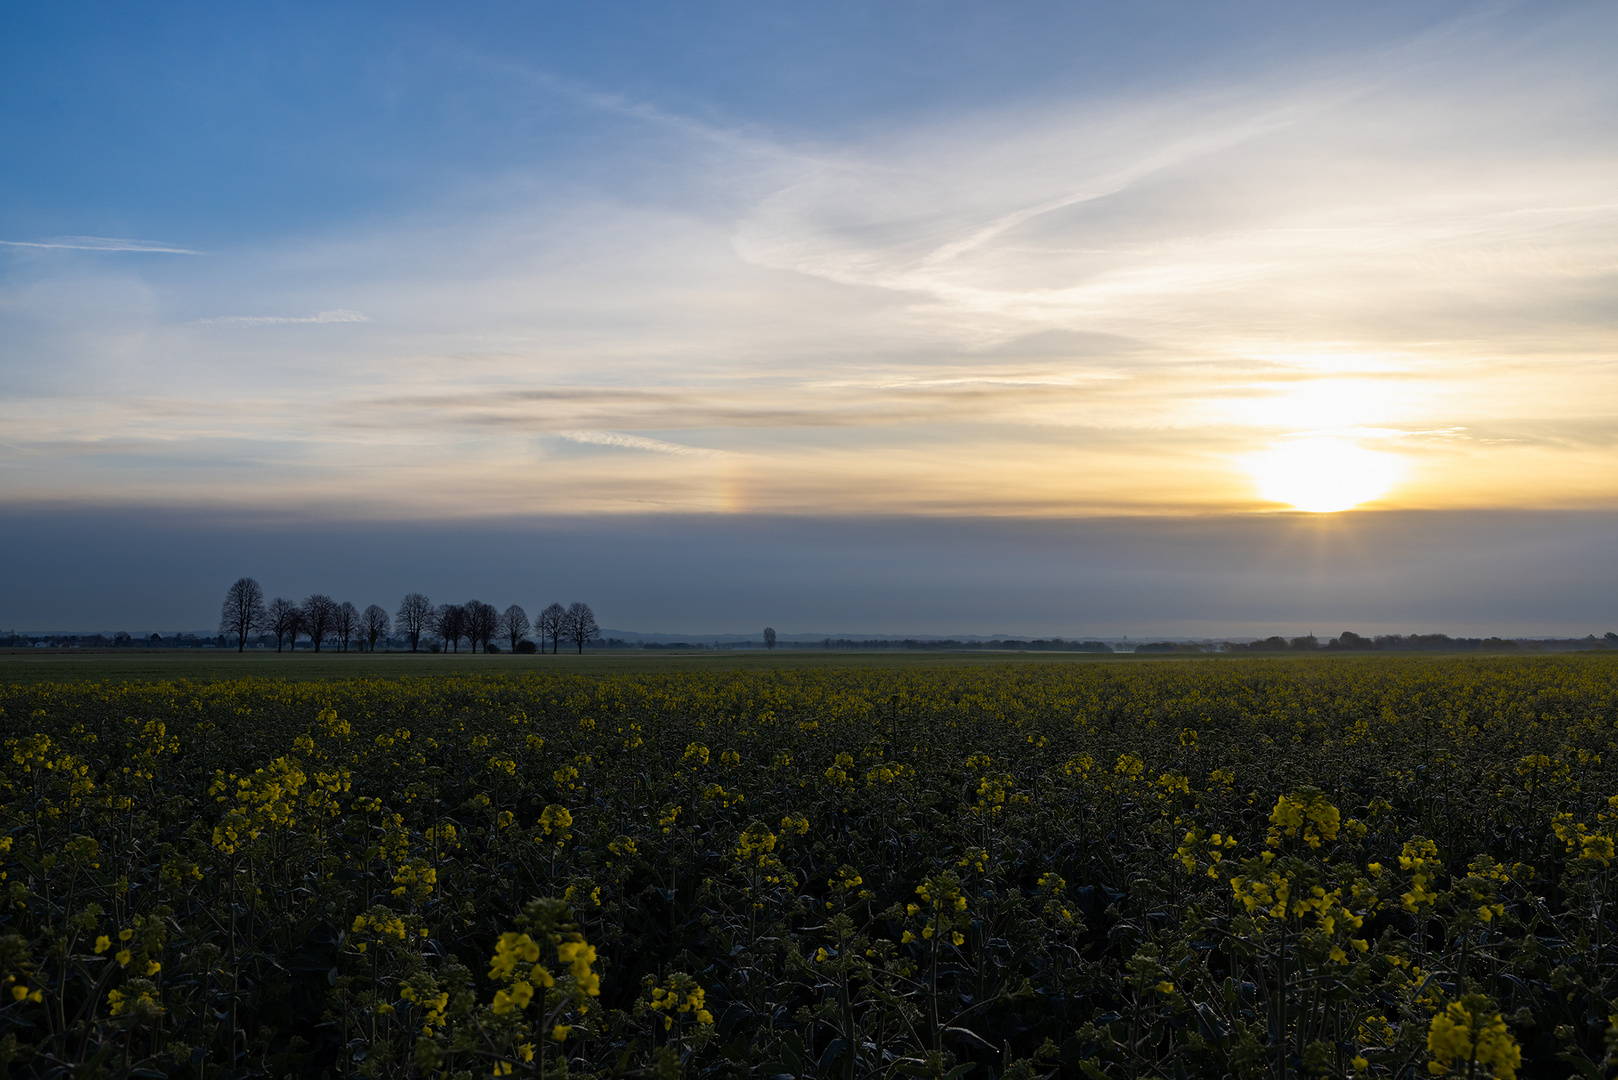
[1323, 474]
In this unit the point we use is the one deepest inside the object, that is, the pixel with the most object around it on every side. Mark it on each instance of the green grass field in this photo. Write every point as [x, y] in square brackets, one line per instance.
[65, 665]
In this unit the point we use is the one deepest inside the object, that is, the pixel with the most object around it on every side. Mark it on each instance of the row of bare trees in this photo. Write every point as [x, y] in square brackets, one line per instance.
[322, 619]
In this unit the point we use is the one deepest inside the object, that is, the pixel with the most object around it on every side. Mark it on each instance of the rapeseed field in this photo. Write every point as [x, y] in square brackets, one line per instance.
[1349, 868]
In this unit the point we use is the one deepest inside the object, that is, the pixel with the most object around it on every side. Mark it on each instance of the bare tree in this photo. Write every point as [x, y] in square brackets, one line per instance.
[769, 637]
[449, 623]
[514, 625]
[346, 623]
[319, 617]
[482, 623]
[415, 618]
[373, 625]
[283, 619]
[581, 624]
[552, 623]
[243, 611]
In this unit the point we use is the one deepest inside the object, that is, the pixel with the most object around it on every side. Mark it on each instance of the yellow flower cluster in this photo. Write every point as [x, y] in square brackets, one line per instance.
[942, 894]
[756, 840]
[573, 951]
[136, 999]
[415, 878]
[443, 836]
[1306, 811]
[434, 1004]
[1420, 858]
[1129, 767]
[511, 950]
[1594, 847]
[1470, 1033]
[381, 922]
[556, 823]
[846, 881]
[716, 793]
[1197, 843]
[1170, 784]
[678, 996]
[887, 773]
[991, 793]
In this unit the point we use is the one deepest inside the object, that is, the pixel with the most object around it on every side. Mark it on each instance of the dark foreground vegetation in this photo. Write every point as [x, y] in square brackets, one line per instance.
[1360, 867]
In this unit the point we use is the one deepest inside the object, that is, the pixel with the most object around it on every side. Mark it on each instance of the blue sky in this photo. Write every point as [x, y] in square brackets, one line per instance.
[1166, 263]
[212, 126]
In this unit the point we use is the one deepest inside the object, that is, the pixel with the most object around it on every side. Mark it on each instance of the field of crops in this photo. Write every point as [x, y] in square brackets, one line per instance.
[1373, 867]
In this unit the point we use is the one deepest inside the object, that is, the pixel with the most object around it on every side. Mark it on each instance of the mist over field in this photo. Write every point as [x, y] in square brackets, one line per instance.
[1478, 574]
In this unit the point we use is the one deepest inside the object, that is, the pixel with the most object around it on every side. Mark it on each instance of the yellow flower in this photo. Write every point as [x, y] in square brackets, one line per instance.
[560, 1032]
[103, 943]
[1472, 1031]
[514, 999]
[511, 948]
[122, 956]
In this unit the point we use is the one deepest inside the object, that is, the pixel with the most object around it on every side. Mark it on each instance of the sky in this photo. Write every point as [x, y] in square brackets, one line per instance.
[920, 317]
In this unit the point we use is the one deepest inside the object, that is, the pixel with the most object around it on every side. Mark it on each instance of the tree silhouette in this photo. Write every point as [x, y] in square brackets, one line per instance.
[514, 625]
[552, 623]
[415, 618]
[243, 611]
[482, 623]
[769, 637]
[319, 617]
[581, 625]
[283, 619]
[449, 623]
[373, 625]
[347, 623]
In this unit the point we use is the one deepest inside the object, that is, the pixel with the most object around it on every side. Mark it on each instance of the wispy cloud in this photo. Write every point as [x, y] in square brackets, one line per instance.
[340, 315]
[103, 243]
[634, 442]
[1089, 305]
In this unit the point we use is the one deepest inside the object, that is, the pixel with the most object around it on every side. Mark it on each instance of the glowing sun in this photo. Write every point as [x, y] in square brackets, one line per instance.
[1323, 474]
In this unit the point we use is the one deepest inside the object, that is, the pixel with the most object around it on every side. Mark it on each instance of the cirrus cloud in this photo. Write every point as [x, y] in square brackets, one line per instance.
[103, 243]
[633, 442]
[340, 315]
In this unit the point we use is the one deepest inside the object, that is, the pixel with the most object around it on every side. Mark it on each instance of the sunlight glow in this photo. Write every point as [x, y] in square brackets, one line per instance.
[1323, 474]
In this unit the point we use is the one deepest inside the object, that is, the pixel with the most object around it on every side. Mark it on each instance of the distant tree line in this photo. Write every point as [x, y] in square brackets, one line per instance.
[1348, 641]
[1035, 645]
[245, 615]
